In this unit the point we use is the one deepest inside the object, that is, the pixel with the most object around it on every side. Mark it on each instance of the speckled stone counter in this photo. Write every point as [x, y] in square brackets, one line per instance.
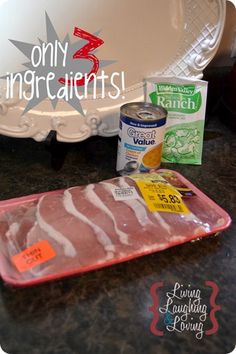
[107, 311]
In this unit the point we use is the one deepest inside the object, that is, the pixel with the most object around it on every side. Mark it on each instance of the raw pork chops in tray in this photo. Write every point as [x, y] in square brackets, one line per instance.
[60, 233]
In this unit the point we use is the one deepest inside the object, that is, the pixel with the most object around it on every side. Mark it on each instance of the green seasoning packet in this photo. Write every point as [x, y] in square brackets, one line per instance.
[185, 101]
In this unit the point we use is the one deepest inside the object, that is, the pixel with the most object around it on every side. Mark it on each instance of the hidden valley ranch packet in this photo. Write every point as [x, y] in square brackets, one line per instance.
[185, 101]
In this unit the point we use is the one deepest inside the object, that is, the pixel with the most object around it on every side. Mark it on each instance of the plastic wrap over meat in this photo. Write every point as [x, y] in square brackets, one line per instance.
[61, 233]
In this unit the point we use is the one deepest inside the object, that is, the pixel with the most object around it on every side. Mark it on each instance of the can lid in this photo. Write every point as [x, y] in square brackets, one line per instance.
[144, 111]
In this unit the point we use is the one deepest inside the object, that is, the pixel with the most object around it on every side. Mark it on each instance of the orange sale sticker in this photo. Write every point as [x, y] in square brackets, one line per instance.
[34, 255]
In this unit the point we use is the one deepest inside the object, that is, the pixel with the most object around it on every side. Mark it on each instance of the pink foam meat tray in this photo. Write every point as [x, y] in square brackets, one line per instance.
[30, 255]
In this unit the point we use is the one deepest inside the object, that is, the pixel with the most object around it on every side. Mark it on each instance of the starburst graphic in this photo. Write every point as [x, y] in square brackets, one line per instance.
[73, 64]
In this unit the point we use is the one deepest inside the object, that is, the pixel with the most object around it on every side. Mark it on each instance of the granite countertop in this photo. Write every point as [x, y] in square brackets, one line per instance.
[107, 311]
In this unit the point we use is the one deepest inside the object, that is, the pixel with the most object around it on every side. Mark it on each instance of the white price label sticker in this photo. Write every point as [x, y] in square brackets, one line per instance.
[125, 193]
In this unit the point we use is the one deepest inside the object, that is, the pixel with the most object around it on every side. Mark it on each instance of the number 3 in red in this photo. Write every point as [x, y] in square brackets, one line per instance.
[83, 53]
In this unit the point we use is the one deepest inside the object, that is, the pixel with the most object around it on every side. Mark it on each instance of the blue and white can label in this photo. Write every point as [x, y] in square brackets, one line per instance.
[141, 135]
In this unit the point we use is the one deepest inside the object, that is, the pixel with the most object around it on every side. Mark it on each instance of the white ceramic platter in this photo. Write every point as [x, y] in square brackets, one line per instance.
[178, 37]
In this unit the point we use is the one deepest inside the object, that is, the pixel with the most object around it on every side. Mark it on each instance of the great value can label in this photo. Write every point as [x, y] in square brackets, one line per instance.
[142, 129]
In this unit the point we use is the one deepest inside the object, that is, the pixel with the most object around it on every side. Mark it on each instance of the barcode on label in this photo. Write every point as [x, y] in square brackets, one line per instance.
[171, 207]
[124, 193]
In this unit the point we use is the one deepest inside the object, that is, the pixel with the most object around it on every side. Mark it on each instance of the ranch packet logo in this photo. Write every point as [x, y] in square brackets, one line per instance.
[184, 308]
[177, 98]
[62, 69]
